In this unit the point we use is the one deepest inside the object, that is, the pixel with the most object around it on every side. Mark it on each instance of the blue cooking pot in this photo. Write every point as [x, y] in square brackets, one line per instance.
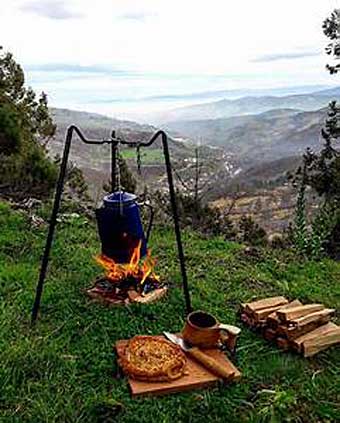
[120, 226]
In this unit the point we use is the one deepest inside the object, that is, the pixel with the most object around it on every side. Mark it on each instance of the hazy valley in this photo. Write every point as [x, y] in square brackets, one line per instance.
[246, 155]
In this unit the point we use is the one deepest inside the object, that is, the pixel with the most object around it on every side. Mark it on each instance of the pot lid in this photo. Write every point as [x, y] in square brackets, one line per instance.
[120, 197]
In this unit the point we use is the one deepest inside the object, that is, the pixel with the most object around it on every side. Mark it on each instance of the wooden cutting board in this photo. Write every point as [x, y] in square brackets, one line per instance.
[198, 376]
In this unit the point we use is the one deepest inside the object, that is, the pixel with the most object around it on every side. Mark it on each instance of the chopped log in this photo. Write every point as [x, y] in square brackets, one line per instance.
[293, 332]
[294, 303]
[152, 296]
[251, 307]
[314, 345]
[313, 317]
[133, 294]
[314, 335]
[282, 343]
[273, 320]
[248, 320]
[270, 334]
[264, 313]
[299, 311]
[245, 318]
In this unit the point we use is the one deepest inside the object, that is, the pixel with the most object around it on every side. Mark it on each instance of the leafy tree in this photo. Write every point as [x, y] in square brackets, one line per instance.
[35, 118]
[10, 134]
[331, 28]
[321, 171]
[25, 123]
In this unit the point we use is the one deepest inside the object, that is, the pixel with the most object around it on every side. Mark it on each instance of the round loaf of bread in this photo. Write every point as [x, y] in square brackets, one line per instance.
[153, 359]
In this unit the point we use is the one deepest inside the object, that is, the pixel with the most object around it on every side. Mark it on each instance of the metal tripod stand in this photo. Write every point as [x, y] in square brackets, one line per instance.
[113, 141]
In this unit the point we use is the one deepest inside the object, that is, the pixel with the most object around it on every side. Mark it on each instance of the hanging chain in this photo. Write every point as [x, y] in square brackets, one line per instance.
[139, 160]
[119, 180]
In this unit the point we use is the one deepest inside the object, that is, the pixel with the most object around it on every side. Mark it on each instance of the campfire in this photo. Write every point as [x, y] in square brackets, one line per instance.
[123, 283]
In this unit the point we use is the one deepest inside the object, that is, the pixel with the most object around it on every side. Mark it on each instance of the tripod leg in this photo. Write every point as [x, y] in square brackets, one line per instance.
[53, 221]
[176, 223]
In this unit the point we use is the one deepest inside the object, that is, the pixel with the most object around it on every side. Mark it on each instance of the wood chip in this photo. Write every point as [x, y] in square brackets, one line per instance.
[299, 311]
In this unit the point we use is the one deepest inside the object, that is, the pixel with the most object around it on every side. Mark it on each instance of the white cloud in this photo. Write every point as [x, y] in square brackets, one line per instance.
[177, 37]
[53, 9]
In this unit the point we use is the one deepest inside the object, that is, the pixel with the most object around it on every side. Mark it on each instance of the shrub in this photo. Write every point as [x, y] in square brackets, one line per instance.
[251, 232]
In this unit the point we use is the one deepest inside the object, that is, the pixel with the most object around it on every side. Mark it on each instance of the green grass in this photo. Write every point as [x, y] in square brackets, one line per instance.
[148, 156]
[64, 369]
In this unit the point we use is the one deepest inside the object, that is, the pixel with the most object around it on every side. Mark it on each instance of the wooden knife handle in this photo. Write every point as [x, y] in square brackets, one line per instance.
[210, 363]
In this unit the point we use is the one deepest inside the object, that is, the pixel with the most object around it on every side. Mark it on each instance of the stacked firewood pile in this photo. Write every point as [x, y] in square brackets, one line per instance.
[303, 328]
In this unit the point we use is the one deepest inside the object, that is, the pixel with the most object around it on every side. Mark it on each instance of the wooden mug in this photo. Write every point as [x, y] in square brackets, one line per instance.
[204, 331]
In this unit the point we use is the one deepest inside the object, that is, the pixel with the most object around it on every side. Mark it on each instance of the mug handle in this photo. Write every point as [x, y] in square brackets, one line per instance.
[232, 333]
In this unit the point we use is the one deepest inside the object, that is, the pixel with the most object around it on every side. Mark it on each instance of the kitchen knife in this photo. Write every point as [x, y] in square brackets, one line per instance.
[208, 362]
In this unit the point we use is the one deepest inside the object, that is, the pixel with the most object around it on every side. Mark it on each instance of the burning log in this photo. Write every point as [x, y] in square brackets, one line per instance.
[305, 329]
[123, 283]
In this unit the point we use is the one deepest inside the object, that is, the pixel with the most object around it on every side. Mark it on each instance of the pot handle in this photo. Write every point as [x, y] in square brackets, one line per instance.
[152, 215]
[232, 333]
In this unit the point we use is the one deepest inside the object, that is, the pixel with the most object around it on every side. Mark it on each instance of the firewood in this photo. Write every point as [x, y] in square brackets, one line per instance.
[282, 343]
[273, 320]
[314, 336]
[270, 334]
[248, 320]
[296, 332]
[251, 307]
[314, 345]
[293, 332]
[264, 313]
[312, 317]
[294, 303]
[132, 295]
[152, 296]
[299, 311]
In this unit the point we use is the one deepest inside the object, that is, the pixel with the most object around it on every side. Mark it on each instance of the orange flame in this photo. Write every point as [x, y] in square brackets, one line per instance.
[116, 272]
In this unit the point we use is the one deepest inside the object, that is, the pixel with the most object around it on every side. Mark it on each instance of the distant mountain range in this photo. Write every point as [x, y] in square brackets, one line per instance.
[258, 138]
[250, 105]
[265, 137]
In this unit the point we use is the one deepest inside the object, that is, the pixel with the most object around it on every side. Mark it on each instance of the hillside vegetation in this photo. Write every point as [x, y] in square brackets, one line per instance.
[63, 370]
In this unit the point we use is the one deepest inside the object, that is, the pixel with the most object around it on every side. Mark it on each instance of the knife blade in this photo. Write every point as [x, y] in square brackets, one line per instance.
[206, 361]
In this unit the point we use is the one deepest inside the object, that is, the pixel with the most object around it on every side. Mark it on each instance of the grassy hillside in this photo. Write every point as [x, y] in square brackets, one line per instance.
[64, 369]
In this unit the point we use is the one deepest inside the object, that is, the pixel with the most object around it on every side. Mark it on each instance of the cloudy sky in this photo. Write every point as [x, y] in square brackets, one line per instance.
[110, 56]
